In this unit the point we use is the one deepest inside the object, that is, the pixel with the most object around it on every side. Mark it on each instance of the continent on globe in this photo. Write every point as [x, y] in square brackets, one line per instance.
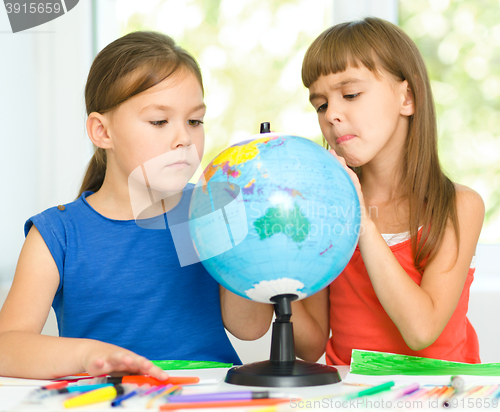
[281, 220]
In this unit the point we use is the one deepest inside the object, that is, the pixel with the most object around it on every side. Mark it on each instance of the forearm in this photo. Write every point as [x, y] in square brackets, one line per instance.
[309, 336]
[243, 318]
[31, 355]
[408, 305]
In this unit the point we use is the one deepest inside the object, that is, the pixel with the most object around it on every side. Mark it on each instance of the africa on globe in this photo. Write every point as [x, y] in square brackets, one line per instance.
[273, 215]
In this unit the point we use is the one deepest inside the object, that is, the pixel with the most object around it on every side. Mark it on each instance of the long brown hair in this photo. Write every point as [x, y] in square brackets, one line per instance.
[376, 43]
[123, 69]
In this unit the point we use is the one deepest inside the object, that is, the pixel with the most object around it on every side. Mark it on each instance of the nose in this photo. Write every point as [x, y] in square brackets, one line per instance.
[182, 137]
[333, 114]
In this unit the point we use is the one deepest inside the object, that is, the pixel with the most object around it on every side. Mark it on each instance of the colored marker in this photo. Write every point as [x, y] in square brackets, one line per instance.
[141, 398]
[142, 380]
[471, 390]
[139, 391]
[481, 392]
[166, 391]
[223, 404]
[458, 384]
[497, 394]
[431, 392]
[98, 395]
[447, 395]
[75, 388]
[417, 394]
[406, 390]
[221, 396]
[35, 395]
[372, 391]
[441, 391]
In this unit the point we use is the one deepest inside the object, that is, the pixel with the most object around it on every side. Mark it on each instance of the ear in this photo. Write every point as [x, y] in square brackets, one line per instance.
[408, 106]
[97, 129]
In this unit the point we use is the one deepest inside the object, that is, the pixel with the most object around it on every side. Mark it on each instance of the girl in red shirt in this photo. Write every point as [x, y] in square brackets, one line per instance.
[370, 88]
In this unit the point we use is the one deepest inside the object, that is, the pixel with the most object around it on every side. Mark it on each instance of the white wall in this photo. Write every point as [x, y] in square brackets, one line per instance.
[42, 116]
[357, 9]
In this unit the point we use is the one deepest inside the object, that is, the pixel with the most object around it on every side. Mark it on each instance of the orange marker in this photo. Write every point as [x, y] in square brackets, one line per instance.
[222, 404]
[142, 380]
[429, 393]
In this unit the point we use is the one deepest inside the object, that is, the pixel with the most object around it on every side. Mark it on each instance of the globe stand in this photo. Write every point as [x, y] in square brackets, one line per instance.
[282, 369]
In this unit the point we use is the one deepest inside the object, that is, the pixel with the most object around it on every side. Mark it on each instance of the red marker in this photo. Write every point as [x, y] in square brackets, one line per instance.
[52, 386]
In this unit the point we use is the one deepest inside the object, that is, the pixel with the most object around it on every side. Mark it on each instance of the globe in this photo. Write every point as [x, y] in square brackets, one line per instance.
[274, 215]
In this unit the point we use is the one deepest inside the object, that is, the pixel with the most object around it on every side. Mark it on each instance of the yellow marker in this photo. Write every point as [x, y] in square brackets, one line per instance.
[99, 395]
[447, 393]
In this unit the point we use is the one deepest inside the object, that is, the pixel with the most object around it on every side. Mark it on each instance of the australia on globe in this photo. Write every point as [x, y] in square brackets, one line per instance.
[276, 214]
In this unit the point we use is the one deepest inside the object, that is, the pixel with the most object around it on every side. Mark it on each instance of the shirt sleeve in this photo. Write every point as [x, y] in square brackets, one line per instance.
[53, 232]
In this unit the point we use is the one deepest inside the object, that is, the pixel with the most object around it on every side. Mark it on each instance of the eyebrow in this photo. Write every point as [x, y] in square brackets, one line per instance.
[351, 80]
[168, 108]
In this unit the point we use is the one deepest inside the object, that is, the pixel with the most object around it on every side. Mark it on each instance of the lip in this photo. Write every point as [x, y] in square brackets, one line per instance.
[345, 138]
[178, 165]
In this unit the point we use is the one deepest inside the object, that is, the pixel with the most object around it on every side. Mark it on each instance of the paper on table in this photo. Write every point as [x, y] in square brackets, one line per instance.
[381, 363]
[186, 364]
[207, 376]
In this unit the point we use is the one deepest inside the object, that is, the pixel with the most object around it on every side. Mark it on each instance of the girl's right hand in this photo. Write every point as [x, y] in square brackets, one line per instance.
[355, 180]
[102, 359]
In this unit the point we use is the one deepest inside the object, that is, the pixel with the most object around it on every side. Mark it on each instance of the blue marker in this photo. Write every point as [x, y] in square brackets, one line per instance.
[120, 399]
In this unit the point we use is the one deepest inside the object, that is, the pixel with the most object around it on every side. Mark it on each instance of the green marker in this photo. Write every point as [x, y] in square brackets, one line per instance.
[373, 390]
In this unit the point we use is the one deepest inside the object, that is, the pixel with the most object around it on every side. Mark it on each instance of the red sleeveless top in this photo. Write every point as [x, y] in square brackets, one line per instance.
[358, 320]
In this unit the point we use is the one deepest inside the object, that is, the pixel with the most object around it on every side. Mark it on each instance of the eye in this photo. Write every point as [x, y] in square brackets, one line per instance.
[322, 108]
[158, 123]
[195, 123]
[351, 96]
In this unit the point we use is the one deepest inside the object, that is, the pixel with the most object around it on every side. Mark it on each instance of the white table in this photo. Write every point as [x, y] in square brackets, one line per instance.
[14, 391]
[211, 380]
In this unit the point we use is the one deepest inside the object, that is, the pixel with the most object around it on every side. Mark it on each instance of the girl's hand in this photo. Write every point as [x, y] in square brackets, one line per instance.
[355, 181]
[110, 359]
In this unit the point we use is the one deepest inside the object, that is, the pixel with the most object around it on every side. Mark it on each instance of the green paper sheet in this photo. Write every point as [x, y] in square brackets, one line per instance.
[381, 363]
[184, 364]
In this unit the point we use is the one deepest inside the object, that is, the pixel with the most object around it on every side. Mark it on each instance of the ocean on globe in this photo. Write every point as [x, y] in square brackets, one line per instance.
[274, 215]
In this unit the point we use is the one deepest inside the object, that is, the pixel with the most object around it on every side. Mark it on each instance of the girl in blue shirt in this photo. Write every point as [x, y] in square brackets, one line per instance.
[120, 294]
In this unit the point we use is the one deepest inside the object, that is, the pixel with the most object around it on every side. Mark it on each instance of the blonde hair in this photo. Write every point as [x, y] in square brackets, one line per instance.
[123, 69]
[378, 44]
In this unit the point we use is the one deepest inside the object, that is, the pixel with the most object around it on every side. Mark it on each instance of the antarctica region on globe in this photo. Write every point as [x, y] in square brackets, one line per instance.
[274, 215]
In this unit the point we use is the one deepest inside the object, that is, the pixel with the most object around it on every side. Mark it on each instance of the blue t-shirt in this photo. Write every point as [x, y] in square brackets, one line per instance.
[123, 284]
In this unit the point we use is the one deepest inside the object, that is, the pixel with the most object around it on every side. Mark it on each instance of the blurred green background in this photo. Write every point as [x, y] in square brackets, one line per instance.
[250, 53]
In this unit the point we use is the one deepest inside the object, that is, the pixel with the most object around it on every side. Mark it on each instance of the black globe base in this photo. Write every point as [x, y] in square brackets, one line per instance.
[283, 374]
[282, 369]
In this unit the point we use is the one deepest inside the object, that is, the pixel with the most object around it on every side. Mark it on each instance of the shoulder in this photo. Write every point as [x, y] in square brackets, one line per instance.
[470, 204]
[55, 217]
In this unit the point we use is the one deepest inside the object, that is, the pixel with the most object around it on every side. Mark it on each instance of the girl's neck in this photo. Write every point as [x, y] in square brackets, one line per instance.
[381, 179]
[385, 200]
[120, 202]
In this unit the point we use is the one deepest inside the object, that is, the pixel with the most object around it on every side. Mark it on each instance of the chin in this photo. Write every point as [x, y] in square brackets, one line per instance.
[171, 188]
[171, 182]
